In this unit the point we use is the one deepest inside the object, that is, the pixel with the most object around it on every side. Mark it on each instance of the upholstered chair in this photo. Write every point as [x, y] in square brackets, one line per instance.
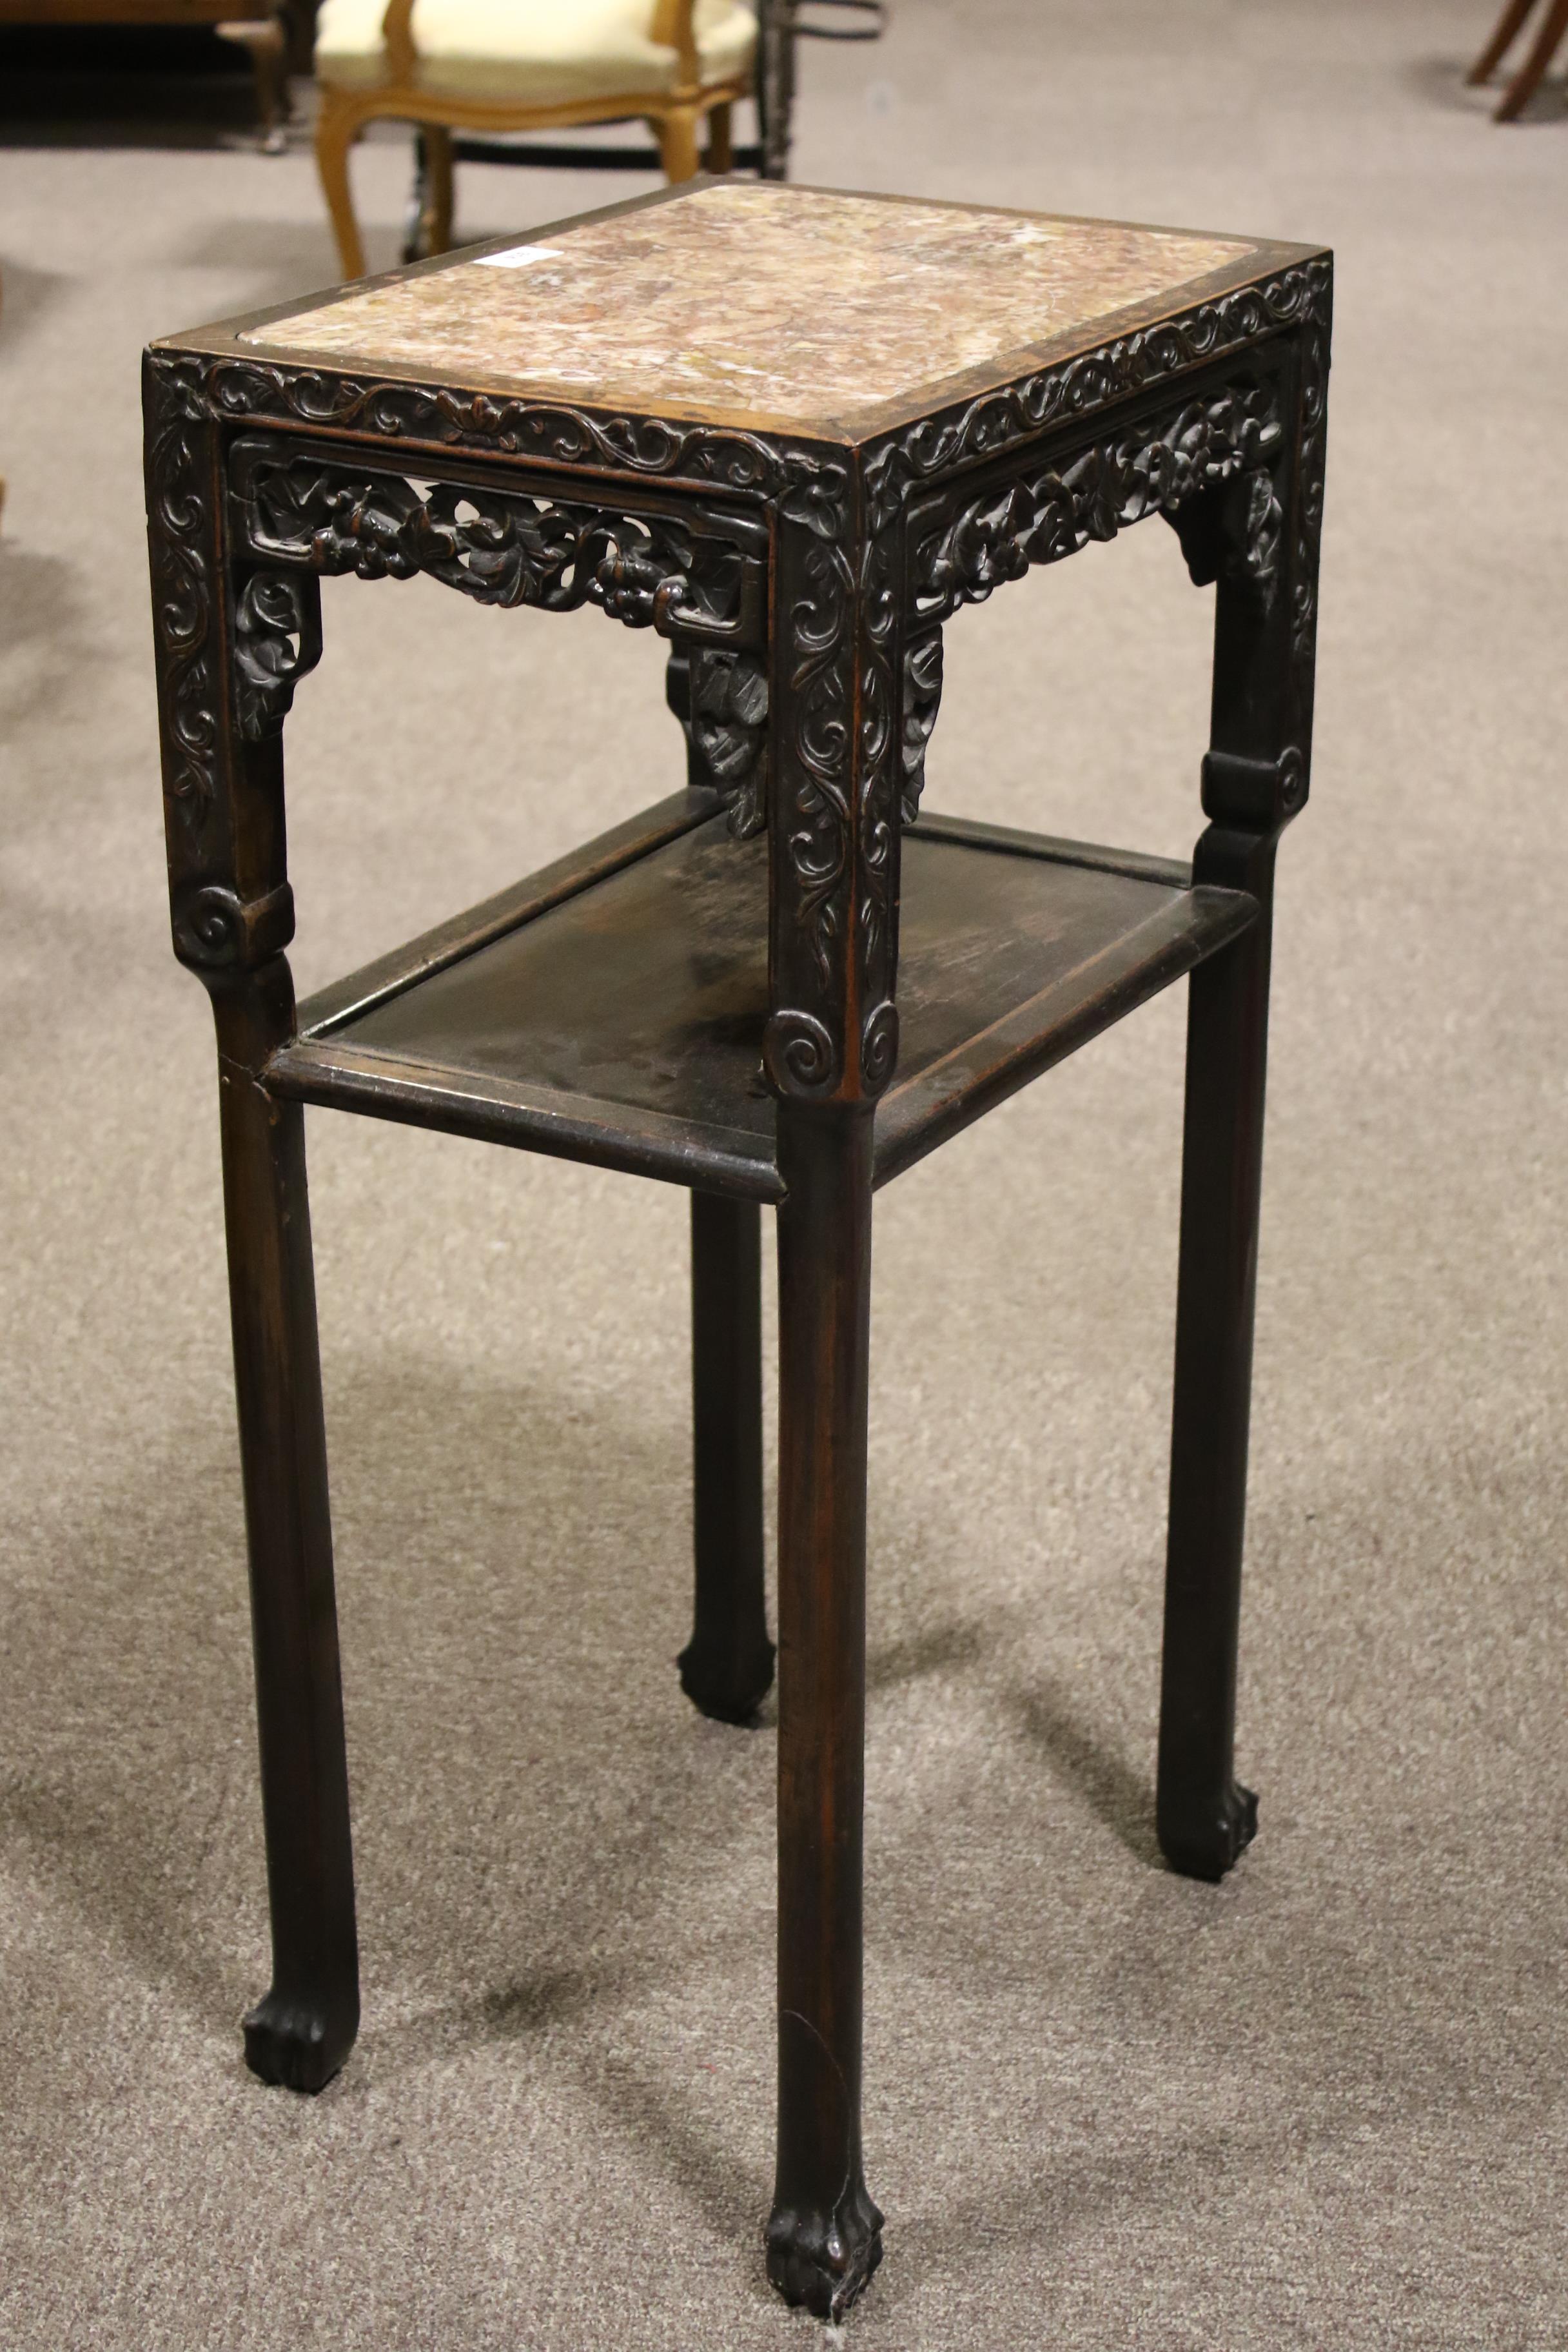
[523, 65]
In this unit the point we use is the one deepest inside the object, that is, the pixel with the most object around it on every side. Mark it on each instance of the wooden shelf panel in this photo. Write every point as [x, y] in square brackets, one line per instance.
[612, 1008]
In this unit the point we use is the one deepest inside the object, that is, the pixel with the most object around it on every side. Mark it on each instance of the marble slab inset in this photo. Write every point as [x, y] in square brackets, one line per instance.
[798, 306]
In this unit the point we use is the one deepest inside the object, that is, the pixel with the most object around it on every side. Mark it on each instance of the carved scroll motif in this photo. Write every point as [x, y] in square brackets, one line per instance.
[1314, 398]
[551, 432]
[877, 780]
[803, 1048]
[900, 468]
[182, 537]
[1226, 448]
[835, 1033]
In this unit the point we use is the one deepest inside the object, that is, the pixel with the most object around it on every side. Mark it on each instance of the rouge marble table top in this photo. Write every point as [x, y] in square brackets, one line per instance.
[799, 308]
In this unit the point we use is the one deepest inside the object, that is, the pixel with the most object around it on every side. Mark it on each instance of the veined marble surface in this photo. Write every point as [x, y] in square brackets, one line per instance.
[794, 304]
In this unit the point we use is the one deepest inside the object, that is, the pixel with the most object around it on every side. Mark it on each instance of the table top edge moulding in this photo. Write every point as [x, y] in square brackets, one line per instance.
[1149, 322]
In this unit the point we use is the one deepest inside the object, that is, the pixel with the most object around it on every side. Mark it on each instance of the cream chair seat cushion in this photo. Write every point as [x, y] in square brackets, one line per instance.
[531, 52]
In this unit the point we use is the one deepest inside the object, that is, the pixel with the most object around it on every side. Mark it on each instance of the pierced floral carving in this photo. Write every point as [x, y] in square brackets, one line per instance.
[1176, 467]
[922, 702]
[501, 546]
[728, 725]
[276, 640]
[901, 467]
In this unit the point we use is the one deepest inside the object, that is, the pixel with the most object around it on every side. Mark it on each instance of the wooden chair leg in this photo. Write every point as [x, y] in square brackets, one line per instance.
[825, 2233]
[1532, 72]
[677, 145]
[337, 128]
[727, 1668]
[301, 2033]
[438, 164]
[267, 40]
[1504, 34]
[720, 156]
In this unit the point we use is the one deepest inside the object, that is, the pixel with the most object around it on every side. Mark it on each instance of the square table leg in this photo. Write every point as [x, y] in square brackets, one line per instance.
[302, 2030]
[230, 641]
[727, 1667]
[1254, 780]
[824, 2237]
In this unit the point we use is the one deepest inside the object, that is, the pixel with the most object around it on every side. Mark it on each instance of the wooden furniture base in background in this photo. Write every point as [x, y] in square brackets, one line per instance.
[1548, 40]
[265, 36]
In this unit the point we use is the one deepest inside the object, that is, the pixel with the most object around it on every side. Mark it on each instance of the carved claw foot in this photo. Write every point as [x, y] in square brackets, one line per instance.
[296, 2042]
[718, 1687]
[824, 2261]
[1206, 1846]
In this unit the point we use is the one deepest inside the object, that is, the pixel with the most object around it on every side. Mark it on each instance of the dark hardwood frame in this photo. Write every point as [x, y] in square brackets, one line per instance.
[803, 583]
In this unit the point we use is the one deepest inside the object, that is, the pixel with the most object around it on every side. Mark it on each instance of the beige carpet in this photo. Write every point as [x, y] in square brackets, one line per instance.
[1322, 2106]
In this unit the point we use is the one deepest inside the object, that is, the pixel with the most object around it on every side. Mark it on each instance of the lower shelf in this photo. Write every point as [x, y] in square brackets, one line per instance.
[612, 1008]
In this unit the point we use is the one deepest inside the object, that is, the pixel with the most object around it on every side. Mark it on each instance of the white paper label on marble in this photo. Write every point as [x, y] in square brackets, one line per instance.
[517, 256]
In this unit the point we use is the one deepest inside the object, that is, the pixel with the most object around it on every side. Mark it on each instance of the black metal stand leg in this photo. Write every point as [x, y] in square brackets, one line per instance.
[301, 2033]
[825, 2234]
[727, 1668]
[1206, 1818]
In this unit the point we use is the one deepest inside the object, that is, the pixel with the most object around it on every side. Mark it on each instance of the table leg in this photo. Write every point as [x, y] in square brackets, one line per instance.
[824, 2237]
[1205, 1817]
[727, 1668]
[302, 2031]
[1254, 780]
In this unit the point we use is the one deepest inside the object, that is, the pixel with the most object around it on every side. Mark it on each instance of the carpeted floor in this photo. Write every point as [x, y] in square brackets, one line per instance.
[1106, 2109]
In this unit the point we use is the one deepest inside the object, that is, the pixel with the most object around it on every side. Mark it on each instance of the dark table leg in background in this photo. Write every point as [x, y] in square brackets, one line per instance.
[727, 1668]
[824, 2237]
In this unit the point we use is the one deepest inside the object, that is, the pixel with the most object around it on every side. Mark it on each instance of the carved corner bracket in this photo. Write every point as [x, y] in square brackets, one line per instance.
[276, 641]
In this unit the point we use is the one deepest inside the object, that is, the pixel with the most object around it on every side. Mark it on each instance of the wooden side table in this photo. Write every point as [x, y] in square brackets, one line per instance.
[793, 432]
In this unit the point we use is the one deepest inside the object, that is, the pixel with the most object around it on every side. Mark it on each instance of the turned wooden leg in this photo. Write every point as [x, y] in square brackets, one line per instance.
[441, 197]
[727, 1668]
[1205, 1817]
[302, 2031]
[776, 86]
[337, 128]
[677, 145]
[721, 155]
[1504, 35]
[824, 2237]
[1532, 72]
